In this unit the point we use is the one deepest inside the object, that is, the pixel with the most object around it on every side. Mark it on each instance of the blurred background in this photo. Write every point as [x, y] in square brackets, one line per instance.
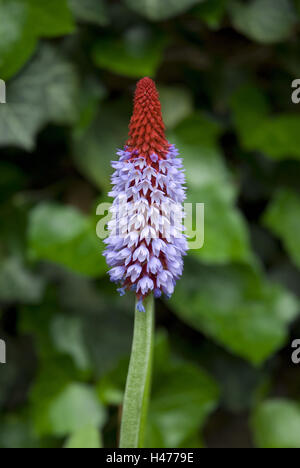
[223, 373]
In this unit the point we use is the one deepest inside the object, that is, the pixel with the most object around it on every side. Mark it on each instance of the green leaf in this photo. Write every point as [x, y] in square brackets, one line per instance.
[95, 147]
[211, 11]
[51, 18]
[12, 179]
[250, 109]
[210, 182]
[176, 103]
[17, 433]
[138, 53]
[265, 21]
[183, 397]
[279, 137]
[23, 22]
[46, 90]
[157, 10]
[18, 284]
[276, 136]
[63, 235]
[90, 11]
[68, 338]
[276, 424]
[86, 438]
[55, 374]
[74, 409]
[282, 217]
[236, 307]
[17, 42]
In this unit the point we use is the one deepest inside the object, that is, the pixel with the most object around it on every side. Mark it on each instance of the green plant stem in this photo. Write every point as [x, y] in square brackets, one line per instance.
[138, 385]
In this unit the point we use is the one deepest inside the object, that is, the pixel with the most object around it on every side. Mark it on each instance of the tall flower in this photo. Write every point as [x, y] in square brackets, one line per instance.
[146, 242]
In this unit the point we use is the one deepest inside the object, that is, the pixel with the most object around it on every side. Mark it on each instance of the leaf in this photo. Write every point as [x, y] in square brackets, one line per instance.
[18, 284]
[90, 11]
[276, 424]
[95, 147]
[46, 90]
[23, 22]
[17, 42]
[157, 10]
[265, 21]
[12, 179]
[17, 433]
[183, 397]
[276, 136]
[108, 335]
[282, 217]
[236, 307]
[211, 11]
[67, 336]
[210, 182]
[74, 409]
[86, 438]
[63, 235]
[176, 103]
[55, 374]
[50, 19]
[138, 53]
[249, 108]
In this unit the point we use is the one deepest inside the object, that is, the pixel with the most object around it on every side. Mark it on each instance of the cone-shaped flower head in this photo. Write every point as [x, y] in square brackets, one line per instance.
[146, 242]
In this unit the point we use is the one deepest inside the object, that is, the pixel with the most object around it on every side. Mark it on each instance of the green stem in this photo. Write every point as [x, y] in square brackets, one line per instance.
[137, 392]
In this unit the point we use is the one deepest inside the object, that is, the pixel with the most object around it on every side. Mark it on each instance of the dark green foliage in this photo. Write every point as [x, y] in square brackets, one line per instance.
[223, 375]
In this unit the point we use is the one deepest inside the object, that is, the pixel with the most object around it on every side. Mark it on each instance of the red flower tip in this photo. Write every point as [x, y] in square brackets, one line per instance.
[147, 130]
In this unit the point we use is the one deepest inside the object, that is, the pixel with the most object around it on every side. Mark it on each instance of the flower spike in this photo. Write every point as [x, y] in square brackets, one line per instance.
[146, 242]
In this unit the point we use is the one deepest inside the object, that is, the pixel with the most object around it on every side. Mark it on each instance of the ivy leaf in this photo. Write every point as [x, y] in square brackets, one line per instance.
[86, 438]
[156, 10]
[265, 21]
[138, 53]
[17, 42]
[44, 92]
[276, 136]
[211, 11]
[67, 337]
[74, 409]
[282, 217]
[23, 22]
[50, 19]
[55, 374]
[90, 11]
[18, 284]
[183, 397]
[63, 235]
[95, 147]
[276, 424]
[236, 307]
[177, 104]
[210, 182]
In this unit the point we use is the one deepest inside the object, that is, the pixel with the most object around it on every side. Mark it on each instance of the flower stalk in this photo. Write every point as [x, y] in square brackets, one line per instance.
[137, 392]
[146, 242]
